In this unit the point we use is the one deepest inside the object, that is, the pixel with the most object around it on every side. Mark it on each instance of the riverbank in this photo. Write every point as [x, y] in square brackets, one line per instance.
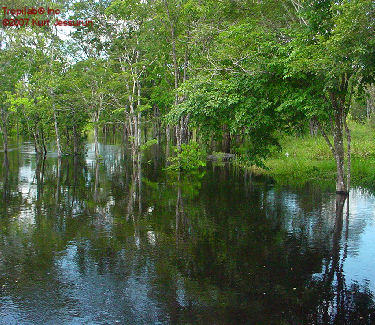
[308, 159]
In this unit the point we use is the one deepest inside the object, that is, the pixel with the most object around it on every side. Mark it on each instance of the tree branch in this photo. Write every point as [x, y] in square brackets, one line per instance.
[324, 135]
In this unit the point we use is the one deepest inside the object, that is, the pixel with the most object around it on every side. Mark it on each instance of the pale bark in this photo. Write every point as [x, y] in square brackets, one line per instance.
[96, 186]
[313, 128]
[5, 180]
[96, 117]
[349, 162]
[179, 127]
[58, 176]
[4, 128]
[337, 148]
[338, 141]
[138, 131]
[36, 144]
[96, 139]
[57, 131]
[167, 148]
[5, 139]
[370, 100]
[43, 143]
[75, 140]
[52, 94]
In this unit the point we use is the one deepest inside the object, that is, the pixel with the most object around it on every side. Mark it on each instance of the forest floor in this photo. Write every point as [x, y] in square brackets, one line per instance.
[309, 159]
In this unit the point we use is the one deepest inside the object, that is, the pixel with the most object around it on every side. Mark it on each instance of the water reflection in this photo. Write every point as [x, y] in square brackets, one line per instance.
[119, 240]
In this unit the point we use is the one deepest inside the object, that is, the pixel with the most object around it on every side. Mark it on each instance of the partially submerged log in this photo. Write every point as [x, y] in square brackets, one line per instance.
[221, 156]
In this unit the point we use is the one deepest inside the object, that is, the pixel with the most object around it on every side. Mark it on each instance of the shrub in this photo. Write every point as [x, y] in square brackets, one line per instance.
[190, 157]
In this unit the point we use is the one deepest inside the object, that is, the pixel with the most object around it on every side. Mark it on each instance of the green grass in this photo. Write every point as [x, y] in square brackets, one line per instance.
[309, 159]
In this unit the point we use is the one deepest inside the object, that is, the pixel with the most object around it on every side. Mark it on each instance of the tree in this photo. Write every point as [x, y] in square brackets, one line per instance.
[333, 54]
[127, 52]
[306, 65]
[11, 71]
[91, 80]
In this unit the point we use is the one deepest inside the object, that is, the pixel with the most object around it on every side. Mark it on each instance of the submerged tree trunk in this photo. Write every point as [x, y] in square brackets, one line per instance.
[43, 145]
[338, 141]
[96, 186]
[180, 213]
[5, 180]
[96, 117]
[135, 192]
[58, 184]
[96, 133]
[36, 142]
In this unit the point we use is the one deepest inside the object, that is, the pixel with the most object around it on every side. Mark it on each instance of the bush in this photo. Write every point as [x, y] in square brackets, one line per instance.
[189, 158]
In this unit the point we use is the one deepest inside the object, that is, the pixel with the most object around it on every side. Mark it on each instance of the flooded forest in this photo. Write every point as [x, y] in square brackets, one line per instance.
[187, 162]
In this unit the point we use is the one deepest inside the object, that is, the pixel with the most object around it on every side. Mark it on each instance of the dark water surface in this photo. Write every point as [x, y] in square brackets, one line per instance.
[113, 243]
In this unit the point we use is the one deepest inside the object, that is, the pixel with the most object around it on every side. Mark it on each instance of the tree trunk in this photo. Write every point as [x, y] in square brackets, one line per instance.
[96, 131]
[338, 141]
[58, 176]
[168, 136]
[75, 140]
[226, 143]
[131, 116]
[96, 186]
[5, 139]
[156, 124]
[184, 121]
[4, 130]
[178, 130]
[337, 148]
[139, 135]
[370, 100]
[52, 94]
[139, 177]
[43, 143]
[349, 161]
[36, 143]
[313, 128]
[58, 142]
[96, 138]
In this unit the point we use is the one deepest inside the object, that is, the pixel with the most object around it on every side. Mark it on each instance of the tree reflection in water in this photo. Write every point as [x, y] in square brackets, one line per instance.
[342, 304]
[121, 240]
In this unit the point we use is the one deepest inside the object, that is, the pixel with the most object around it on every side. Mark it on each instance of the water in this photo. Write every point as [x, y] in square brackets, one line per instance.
[112, 243]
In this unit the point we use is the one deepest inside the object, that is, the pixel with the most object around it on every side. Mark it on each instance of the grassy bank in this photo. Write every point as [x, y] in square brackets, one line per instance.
[308, 159]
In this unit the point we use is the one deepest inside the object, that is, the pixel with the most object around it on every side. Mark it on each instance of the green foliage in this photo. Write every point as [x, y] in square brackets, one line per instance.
[190, 157]
[148, 144]
[240, 103]
[308, 159]
[240, 78]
